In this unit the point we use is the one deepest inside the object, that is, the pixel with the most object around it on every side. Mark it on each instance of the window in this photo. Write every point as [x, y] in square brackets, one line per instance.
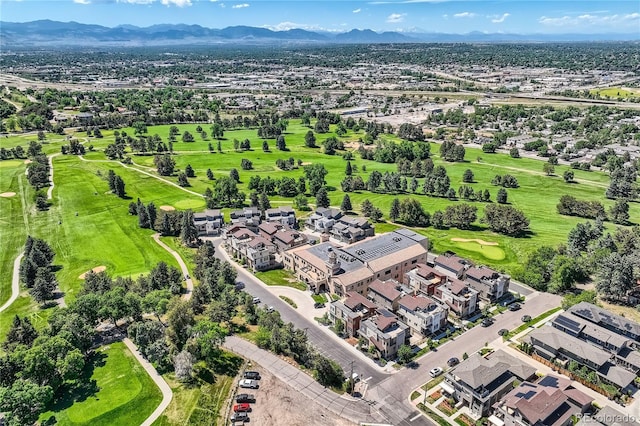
[387, 272]
[414, 261]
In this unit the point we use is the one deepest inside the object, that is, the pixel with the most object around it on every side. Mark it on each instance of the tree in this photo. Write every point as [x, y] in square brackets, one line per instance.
[187, 137]
[412, 213]
[366, 207]
[501, 197]
[345, 206]
[246, 164]
[505, 220]
[165, 164]
[348, 170]
[568, 176]
[44, 285]
[467, 177]
[24, 401]
[21, 332]
[615, 276]
[179, 320]
[310, 139]
[327, 371]
[394, 211]
[226, 193]
[264, 202]
[619, 212]
[119, 187]
[217, 131]
[183, 366]
[189, 232]
[188, 170]
[548, 169]
[460, 216]
[322, 198]
[405, 354]
[209, 174]
[281, 143]
[182, 180]
[514, 153]
[233, 174]
[301, 202]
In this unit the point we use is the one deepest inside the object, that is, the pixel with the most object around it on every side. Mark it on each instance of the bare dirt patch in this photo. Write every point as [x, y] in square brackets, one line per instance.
[28, 161]
[476, 240]
[279, 404]
[7, 194]
[306, 163]
[167, 208]
[95, 270]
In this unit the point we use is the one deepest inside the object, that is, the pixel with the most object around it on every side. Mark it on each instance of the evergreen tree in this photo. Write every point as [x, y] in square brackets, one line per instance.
[322, 198]
[394, 212]
[233, 174]
[182, 180]
[111, 179]
[189, 232]
[152, 213]
[119, 187]
[143, 216]
[345, 206]
[44, 285]
[348, 171]
[264, 202]
[209, 174]
[501, 197]
[189, 171]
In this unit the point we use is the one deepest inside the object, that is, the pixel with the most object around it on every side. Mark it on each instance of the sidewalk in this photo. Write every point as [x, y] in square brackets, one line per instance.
[344, 406]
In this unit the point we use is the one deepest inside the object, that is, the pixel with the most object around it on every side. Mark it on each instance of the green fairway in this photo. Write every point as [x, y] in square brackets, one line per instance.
[618, 92]
[123, 393]
[486, 251]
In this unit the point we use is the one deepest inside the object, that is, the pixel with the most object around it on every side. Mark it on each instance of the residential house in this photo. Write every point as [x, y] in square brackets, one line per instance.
[209, 222]
[260, 254]
[605, 319]
[249, 217]
[268, 230]
[551, 401]
[286, 239]
[284, 215]
[353, 267]
[385, 294]
[479, 382]
[323, 219]
[553, 344]
[452, 265]
[351, 229]
[424, 279]
[424, 315]
[386, 332]
[490, 284]
[461, 299]
[354, 309]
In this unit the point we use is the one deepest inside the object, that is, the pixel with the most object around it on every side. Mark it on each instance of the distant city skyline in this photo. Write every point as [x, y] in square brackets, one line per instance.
[441, 16]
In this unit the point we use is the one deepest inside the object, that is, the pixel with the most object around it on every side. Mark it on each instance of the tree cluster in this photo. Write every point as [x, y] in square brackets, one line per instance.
[570, 206]
[36, 270]
[505, 220]
[451, 151]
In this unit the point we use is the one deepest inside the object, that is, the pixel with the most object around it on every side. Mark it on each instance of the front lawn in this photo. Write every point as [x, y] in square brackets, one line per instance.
[280, 277]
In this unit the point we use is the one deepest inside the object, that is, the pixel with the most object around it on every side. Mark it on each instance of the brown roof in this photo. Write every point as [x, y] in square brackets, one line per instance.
[243, 233]
[386, 289]
[450, 261]
[286, 237]
[426, 271]
[541, 405]
[354, 299]
[457, 286]
[414, 302]
[257, 241]
[383, 322]
[268, 228]
[480, 273]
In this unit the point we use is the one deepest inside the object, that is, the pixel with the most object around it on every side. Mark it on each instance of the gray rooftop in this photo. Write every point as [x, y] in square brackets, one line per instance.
[384, 244]
[557, 340]
[347, 262]
[477, 371]
[605, 318]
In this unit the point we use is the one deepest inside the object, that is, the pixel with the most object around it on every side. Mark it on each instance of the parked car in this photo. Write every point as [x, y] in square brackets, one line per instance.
[248, 383]
[434, 372]
[318, 305]
[503, 332]
[487, 322]
[253, 375]
[239, 285]
[186, 276]
[256, 300]
[526, 318]
[245, 397]
[453, 362]
[240, 408]
[239, 417]
[514, 306]
[270, 309]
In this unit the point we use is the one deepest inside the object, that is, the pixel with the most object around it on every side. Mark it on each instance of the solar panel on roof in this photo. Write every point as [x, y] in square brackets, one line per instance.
[526, 395]
[549, 382]
[568, 323]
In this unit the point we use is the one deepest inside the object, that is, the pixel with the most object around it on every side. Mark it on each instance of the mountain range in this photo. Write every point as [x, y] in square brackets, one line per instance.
[63, 34]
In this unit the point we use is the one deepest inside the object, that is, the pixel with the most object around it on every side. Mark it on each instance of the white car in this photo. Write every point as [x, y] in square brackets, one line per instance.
[434, 372]
[248, 383]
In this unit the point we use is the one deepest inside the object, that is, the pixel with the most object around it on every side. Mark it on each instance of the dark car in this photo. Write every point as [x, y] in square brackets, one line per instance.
[318, 305]
[514, 306]
[487, 322]
[253, 375]
[526, 318]
[245, 397]
[239, 285]
[453, 362]
[503, 332]
[240, 417]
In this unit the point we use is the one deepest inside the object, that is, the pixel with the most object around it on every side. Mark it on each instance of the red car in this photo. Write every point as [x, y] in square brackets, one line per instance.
[238, 408]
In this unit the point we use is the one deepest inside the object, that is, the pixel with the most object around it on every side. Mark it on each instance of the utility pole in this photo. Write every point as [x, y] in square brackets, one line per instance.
[353, 383]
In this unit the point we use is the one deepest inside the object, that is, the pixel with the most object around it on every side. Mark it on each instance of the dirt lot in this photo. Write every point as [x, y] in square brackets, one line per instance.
[278, 404]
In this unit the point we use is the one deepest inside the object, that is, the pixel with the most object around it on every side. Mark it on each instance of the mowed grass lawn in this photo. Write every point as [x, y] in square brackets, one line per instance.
[124, 394]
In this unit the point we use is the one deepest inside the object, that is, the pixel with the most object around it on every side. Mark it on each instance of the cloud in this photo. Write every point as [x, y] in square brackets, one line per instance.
[396, 17]
[179, 3]
[464, 15]
[357, 10]
[497, 19]
[136, 1]
[82, 1]
[287, 25]
[240, 6]
[587, 19]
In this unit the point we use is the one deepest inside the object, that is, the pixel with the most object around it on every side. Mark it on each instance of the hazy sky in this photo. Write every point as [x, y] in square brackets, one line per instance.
[509, 16]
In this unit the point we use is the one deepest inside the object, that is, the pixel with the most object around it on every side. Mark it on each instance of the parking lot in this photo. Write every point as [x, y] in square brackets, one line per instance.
[279, 404]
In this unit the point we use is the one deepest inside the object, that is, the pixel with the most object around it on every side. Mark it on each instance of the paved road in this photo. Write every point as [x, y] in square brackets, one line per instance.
[395, 389]
[167, 394]
[352, 409]
[15, 283]
[318, 337]
[50, 190]
[183, 266]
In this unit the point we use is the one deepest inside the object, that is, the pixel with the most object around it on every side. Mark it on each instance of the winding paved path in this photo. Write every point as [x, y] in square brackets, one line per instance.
[167, 394]
[15, 283]
[50, 190]
[183, 266]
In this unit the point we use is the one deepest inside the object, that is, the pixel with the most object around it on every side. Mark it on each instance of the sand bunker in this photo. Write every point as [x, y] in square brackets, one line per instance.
[167, 208]
[475, 240]
[96, 270]
[28, 161]
[7, 194]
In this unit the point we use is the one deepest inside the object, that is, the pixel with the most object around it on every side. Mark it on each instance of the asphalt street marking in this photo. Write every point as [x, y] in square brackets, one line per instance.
[416, 417]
